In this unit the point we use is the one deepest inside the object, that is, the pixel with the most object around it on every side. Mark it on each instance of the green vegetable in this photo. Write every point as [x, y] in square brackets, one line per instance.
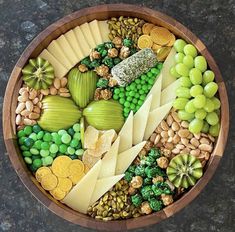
[140, 171]
[161, 188]
[155, 153]
[102, 83]
[155, 204]
[150, 161]
[108, 61]
[136, 200]
[128, 176]
[131, 169]
[128, 43]
[147, 192]
[151, 171]
[86, 61]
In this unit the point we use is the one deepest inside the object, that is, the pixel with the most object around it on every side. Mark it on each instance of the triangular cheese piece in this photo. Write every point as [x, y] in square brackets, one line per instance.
[167, 78]
[156, 93]
[125, 158]
[169, 93]
[104, 185]
[95, 31]
[67, 49]
[82, 41]
[109, 161]
[59, 69]
[155, 117]
[70, 36]
[126, 134]
[86, 30]
[140, 120]
[57, 52]
[80, 196]
[104, 30]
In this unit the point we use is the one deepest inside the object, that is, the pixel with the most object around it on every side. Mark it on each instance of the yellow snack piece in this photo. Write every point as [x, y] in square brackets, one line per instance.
[89, 160]
[145, 41]
[41, 172]
[156, 47]
[163, 53]
[58, 194]
[49, 181]
[160, 35]
[147, 27]
[76, 166]
[64, 184]
[86, 169]
[172, 41]
[91, 136]
[60, 166]
[76, 177]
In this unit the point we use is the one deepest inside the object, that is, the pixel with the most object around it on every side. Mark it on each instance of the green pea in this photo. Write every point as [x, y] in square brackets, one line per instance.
[36, 128]
[44, 153]
[48, 160]
[47, 137]
[126, 110]
[38, 144]
[149, 87]
[143, 77]
[128, 88]
[129, 99]
[137, 108]
[21, 133]
[73, 157]
[74, 142]
[76, 127]
[127, 104]
[40, 135]
[71, 131]
[149, 74]
[53, 148]
[159, 66]
[35, 157]
[137, 81]
[21, 140]
[132, 106]
[141, 91]
[150, 81]
[53, 155]
[139, 86]
[77, 136]
[140, 102]
[134, 100]
[28, 160]
[28, 130]
[116, 91]
[122, 101]
[142, 97]
[154, 71]
[121, 89]
[26, 154]
[125, 114]
[61, 132]
[115, 97]
[34, 151]
[137, 95]
[144, 87]
[62, 148]
[66, 138]
[33, 136]
[24, 148]
[79, 152]
[37, 163]
[70, 150]
[45, 145]
[121, 95]
[142, 82]
[28, 142]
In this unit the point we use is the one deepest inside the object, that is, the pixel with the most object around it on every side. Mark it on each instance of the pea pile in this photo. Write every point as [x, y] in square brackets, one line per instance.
[133, 95]
[147, 180]
[39, 147]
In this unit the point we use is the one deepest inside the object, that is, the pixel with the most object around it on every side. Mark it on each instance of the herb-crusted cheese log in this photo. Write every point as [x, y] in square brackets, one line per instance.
[134, 66]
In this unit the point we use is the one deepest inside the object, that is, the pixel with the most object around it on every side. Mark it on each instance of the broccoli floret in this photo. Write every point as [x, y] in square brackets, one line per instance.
[140, 171]
[131, 169]
[128, 176]
[155, 204]
[147, 192]
[86, 61]
[155, 153]
[136, 200]
[102, 83]
[150, 161]
[108, 61]
[104, 53]
[128, 43]
[109, 45]
[161, 188]
[95, 63]
[151, 171]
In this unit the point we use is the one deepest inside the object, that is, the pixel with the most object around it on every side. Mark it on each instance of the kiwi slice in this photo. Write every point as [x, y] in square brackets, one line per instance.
[38, 73]
[184, 170]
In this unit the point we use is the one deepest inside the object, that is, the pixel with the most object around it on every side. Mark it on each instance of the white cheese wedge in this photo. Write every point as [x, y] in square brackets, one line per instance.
[125, 158]
[169, 93]
[95, 31]
[59, 69]
[67, 49]
[86, 30]
[126, 134]
[167, 78]
[140, 121]
[104, 30]
[71, 37]
[156, 93]
[109, 160]
[104, 185]
[82, 41]
[80, 196]
[55, 49]
[155, 117]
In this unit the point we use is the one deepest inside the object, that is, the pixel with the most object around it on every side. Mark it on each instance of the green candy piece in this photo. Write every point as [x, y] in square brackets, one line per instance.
[62, 148]
[26, 154]
[48, 160]
[147, 181]
[44, 153]
[36, 128]
[71, 150]
[33, 136]
[102, 83]
[136, 200]
[161, 188]
[127, 43]
[77, 136]
[76, 127]
[140, 171]
[151, 172]
[74, 143]
[66, 138]
[79, 152]
[47, 137]
[155, 205]
[45, 145]
[20, 134]
[40, 135]
[61, 132]
[28, 142]
[28, 160]
[28, 130]
[38, 144]
[37, 163]
[34, 151]
[36, 157]
[150, 161]
[53, 148]
[154, 153]
[57, 139]
[21, 140]
[131, 169]
[147, 192]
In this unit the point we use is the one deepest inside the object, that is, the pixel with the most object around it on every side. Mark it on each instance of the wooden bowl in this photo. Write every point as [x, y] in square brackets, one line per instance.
[34, 49]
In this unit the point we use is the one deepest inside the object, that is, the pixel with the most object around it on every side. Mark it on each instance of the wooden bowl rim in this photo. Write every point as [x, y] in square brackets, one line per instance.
[9, 124]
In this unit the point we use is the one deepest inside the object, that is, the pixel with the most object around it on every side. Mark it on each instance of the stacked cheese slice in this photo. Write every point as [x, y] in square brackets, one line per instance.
[70, 48]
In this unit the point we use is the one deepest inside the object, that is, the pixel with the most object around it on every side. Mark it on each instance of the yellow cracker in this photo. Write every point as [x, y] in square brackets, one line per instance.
[145, 41]
[163, 53]
[76, 166]
[64, 184]
[160, 35]
[60, 166]
[49, 181]
[42, 171]
[172, 41]
[76, 177]
[58, 194]
[147, 27]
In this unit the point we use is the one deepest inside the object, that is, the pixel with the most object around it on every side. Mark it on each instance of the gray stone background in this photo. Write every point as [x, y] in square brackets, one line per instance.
[213, 21]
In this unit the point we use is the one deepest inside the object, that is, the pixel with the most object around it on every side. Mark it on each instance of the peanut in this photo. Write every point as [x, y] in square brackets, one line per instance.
[34, 116]
[57, 83]
[45, 91]
[175, 126]
[63, 82]
[183, 133]
[18, 119]
[205, 147]
[20, 107]
[65, 94]
[164, 125]
[29, 105]
[194, 142]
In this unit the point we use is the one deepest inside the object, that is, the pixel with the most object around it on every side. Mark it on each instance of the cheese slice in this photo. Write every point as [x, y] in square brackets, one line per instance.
[109, 161]
[59, 69]
[95, 31]
[104, 30]
[57, 52]
[156, 93]
[140, 121]
[169, 93]
[67, 49]
[167, 78]
[126, 134]
[155, 117]
[80, 196]
[104, 185]
[70, 36]
[86, 30]
[125, 158]
[82, 41]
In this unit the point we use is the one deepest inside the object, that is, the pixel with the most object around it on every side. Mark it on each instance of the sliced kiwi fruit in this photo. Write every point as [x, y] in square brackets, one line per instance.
[38, 73]
[184, 170]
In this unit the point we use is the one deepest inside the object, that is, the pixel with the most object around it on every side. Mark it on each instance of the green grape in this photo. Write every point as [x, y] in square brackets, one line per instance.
[179, 45]
[205, 127]
[214, 130]
[216, 102]
[195, 126]
[210, 89]
[212, 118]
[196, 90]
[173, 72]
[188, 61]
[179, 57]
[200, 114]
[185, 82]
[183, 92]
[208, 76]
[195, 76]
[183, 115]
[182, 69]
[200, 63]
[189, 107]
[199, 101]
[189, 49]
[180, 103]
[209, 106]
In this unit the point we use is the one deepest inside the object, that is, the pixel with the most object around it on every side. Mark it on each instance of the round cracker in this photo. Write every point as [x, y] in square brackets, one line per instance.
[58, 194]
[76, 166]
[41, 172]
[49, 181]
[76, 177]
[147, 27]
[64, 184]
[160, 35]
[86, 169]
[163, 53]
[145, 41]
[60, 166]
[172, 41]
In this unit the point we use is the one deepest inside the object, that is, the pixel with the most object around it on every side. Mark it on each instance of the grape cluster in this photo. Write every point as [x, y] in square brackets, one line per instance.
[196, 101]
